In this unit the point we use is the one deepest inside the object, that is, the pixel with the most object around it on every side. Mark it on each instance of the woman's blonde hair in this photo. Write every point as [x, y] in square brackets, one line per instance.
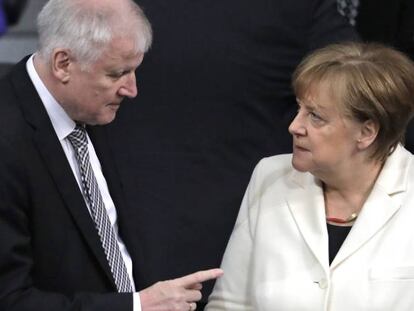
[368, 81]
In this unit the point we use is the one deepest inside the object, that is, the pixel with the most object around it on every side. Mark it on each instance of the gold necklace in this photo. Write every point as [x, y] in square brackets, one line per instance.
[343, 221]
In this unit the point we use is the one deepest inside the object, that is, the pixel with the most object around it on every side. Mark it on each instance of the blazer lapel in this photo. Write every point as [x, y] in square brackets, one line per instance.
[306, 204]
[377, 211]
[381, 205]
[56, 162]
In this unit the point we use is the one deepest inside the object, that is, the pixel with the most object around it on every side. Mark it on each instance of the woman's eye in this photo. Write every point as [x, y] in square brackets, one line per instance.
[315, 117]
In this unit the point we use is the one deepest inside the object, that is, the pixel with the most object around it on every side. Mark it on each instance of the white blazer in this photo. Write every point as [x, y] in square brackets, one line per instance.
[277, 258]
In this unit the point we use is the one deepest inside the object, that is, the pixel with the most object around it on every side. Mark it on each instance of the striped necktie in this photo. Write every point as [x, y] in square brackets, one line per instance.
[79, 141]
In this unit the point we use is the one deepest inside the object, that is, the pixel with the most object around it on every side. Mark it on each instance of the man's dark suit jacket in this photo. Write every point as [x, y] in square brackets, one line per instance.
[51, 256]
[214, 97]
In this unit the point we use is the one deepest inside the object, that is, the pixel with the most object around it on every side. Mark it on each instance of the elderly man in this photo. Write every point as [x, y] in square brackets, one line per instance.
[63, 225]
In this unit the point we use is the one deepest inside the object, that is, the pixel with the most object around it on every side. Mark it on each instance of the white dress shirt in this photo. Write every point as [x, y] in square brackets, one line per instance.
[63, 126]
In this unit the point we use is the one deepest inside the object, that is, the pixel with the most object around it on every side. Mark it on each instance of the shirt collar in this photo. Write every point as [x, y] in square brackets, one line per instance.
[61, 122]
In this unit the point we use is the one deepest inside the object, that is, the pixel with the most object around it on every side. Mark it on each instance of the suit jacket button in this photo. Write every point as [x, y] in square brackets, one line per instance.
[323, 283]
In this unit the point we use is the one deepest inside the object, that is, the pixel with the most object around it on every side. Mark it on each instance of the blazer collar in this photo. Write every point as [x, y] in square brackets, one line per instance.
[306, 203]
[384, 201]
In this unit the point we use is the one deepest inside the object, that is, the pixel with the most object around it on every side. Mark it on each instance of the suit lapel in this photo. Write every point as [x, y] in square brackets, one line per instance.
[377, 211]
[56, 162]
[98, 136]
[380, 206]
[306, 204]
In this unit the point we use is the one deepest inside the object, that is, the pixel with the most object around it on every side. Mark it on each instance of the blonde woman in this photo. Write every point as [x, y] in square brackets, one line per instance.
[331, 226]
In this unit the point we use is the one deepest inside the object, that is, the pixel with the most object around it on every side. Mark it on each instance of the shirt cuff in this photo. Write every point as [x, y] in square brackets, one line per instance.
[136, 302]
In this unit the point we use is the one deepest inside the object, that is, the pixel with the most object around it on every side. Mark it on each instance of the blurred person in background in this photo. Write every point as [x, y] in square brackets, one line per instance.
[10, 12]
[3, 21]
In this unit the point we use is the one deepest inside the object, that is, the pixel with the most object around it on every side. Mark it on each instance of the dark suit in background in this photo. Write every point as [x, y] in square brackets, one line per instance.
[214, 98]
[49, 245]
[390, 22]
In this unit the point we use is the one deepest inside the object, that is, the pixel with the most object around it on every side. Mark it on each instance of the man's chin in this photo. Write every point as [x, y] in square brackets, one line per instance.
[108, 119]
[103, 119]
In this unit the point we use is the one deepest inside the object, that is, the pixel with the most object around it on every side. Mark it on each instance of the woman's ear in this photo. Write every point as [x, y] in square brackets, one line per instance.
[368, 134]
[61, 62]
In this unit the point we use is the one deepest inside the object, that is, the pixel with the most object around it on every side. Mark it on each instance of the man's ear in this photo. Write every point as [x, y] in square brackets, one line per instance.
[61, 63]
[368, 134]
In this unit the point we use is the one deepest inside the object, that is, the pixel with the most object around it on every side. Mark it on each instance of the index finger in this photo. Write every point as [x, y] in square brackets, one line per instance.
[198, 277]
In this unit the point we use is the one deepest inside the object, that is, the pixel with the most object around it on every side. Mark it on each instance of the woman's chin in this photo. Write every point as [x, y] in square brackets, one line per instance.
[299, 165]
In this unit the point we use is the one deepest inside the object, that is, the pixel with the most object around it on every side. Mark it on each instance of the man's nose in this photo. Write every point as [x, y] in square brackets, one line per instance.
[129, 87]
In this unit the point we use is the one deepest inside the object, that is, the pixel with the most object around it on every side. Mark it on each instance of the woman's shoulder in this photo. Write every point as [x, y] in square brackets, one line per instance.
[271, 169]
[278, 163]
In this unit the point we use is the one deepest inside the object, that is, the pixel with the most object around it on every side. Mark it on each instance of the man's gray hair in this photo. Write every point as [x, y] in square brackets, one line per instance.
[87, 29]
